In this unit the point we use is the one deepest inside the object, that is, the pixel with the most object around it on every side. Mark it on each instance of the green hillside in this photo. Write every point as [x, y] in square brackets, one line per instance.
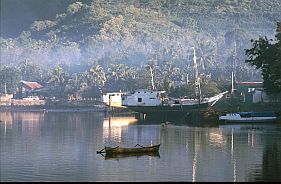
[140, 33]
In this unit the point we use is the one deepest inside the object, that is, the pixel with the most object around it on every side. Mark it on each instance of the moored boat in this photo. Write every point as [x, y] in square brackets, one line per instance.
[140, 149]
[152, 101]
[156, 103]
[249, 117]
[154, 148]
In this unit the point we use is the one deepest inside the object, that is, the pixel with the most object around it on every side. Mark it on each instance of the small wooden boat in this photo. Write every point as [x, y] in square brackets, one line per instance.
[140, 149]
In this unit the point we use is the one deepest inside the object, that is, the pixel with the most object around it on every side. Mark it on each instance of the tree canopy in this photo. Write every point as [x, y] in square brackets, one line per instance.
[266, 56]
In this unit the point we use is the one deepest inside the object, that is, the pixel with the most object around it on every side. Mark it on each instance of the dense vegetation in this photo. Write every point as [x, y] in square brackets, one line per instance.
[266, 56]
[111, 45]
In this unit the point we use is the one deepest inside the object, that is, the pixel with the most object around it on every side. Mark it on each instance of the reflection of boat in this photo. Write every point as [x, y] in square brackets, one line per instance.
[249, 117]
[133, 154]
[119, 121]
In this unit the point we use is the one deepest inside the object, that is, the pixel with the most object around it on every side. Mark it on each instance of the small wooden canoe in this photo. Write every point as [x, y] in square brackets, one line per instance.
[141, 149]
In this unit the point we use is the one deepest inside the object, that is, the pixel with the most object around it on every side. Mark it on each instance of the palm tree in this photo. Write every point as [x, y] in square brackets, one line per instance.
[113, 72]
[75, 84]
[30, 71]
[97, 75]
[206, 53]
[59, 79]
[236, 39]
[171, 74]
[119, 71]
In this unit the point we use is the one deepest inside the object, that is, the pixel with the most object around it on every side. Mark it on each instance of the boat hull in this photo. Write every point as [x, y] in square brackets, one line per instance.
[117, 150]
[251, 117]
[165, 113]
[167, 108]
[153, 104]
[249, 120]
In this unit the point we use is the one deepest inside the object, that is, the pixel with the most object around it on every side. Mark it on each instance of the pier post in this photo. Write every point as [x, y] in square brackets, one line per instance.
[141, 116]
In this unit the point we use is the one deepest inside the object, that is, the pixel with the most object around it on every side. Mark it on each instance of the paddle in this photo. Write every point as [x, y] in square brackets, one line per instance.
[101, 151]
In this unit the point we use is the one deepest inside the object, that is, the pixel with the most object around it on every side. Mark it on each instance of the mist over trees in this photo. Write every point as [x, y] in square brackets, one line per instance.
[110, 45]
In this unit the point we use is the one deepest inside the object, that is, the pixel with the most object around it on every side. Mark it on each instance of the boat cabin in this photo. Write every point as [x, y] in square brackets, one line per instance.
[249, 116]
[113, 99]
[143, 97]
[256, 114]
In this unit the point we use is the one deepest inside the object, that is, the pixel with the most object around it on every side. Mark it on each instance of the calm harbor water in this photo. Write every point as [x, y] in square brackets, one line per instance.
[61, 146]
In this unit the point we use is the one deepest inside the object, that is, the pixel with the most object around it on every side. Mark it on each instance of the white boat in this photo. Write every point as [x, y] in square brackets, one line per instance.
[147, 101]
[249, 117]
[156, 103]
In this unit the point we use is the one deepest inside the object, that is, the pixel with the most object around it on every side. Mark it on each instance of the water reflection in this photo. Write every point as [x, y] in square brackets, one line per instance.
[29, 120]
[271, 159]
[217, 138]
[113, 128]
[37, 146]
[124, 132]
[126, 155]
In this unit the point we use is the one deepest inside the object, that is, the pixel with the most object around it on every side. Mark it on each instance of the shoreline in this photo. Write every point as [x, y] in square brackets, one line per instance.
[52, 109]
[95, 108]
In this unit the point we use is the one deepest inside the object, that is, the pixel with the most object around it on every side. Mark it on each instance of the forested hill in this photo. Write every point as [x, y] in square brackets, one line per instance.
[17, 15]
[140, 32]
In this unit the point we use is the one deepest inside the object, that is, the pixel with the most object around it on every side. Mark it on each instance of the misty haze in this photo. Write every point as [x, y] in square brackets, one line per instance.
[189, 75]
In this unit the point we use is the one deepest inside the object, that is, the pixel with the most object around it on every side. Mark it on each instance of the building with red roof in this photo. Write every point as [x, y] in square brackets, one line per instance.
[28, 88]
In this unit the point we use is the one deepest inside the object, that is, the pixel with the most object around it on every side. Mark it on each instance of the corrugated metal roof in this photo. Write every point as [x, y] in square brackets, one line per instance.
[32, 85]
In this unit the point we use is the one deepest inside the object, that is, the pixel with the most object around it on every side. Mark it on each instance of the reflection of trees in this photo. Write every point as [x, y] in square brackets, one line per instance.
[271, 168]
[271, 164]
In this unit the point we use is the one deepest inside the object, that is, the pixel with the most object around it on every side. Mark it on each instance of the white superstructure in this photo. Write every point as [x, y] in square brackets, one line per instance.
[113, 99]
[143, 97]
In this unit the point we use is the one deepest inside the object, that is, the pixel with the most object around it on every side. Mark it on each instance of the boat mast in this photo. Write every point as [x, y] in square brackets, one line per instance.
[197, 79]
[152, 79]
[232, 83]
[5, 88]
[233, 73]
[234, 59]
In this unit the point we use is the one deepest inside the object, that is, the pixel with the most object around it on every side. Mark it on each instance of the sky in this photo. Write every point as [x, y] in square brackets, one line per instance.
[17, 15]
